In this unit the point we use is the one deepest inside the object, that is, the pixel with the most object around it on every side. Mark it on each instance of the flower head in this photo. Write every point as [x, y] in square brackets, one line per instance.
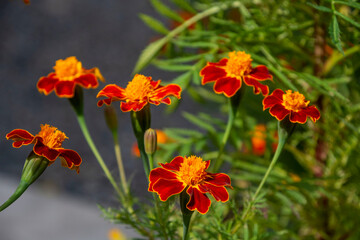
[69, 73]
[139, 92]
[258, 140]
[290, 103]
[229, 73]
[189, 174]
[47, 143]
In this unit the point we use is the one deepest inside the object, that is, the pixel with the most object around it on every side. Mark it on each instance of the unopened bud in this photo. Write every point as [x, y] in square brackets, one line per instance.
[150, 141]
[110, 118]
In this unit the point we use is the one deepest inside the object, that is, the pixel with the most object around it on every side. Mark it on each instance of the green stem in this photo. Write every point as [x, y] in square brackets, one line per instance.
[285, 129]
[93, 148]
[233, 103]
[186, 214]
[120, 163]
[18, 192]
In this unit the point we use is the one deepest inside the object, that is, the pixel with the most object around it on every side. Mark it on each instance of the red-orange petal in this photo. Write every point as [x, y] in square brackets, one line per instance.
[299, 117]
[132, 106]
[87, 81]
[211, 73]
[174, 165]
[258, 87]
[219, 193]
[65, 89]
[221, 63]
[155, 84]
[279, 111]
[167, 188]
[261, 73]
[47, 84]
[218, 179]
[198, 201]
[112, 92]
[42, 150]
[158, 173]
[166, 91]
[312, 112]
[20, 137]
[70, 156]
[227, 85]
[274, 98]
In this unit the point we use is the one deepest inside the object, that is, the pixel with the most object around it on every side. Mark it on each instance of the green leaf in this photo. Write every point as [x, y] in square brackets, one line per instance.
[184, 5]
[334, 32]
[148, 54]
[320, 8]
[346, 18]
[166, 11]
[349, 3]
[172, 68]
[154, 24]
[183, 80]
[198, 122]
[298, 197]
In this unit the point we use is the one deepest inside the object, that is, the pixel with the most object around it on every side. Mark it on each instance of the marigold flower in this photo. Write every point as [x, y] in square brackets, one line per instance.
[229, 73]
[189, 174]
[139, 92]
[258, 140]
[69, 73]
[116, 234]
[47, 143]
[290, 103]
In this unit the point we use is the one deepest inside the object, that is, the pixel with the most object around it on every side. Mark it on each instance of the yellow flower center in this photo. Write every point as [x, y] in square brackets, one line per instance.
[192, 170]
[139, 89]
[294, 101]
[68, 69]
[51, 136]
[239, 64]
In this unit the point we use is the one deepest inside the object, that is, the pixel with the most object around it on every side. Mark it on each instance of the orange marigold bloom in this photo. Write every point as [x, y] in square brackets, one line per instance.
[189, 174]
[229, 73]
[69, 73]
[290, 103]
[47, 143]
[139, 92]
[258, 140]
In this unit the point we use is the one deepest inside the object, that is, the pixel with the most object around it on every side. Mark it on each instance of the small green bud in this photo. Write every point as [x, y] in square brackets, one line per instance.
[110, 118]
[150, 141]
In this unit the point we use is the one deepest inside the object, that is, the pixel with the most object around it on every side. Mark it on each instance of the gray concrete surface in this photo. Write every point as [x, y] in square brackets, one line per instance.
[44, 215]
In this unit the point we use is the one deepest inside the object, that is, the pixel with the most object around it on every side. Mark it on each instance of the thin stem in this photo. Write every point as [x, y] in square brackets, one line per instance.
[285, 129]
[219, 161]
[120, 163]
[98, 157]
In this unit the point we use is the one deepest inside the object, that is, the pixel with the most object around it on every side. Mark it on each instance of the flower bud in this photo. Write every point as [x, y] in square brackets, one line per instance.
[110, 118]
[150, 141]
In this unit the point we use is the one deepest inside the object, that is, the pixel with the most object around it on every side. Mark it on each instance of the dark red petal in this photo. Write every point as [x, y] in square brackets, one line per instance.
[222, 62]
[168, 90]
[261, 73]
[279, 111]
[155, 84]
[198, 201]
[166, 101]
[112, 92]
[229, 86]
[211, 73]
[166, 188]
[132, 106]
[274, 98]
[207, 164]
[65, 89]
[218, 179]
[174, 165]
[70, 156]
[219, 193]
[20, 137]
[87, 81]
[312, 112]
[158, 173]
[299, 117]
[42, 150]
[47, 84]
[258, 87]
